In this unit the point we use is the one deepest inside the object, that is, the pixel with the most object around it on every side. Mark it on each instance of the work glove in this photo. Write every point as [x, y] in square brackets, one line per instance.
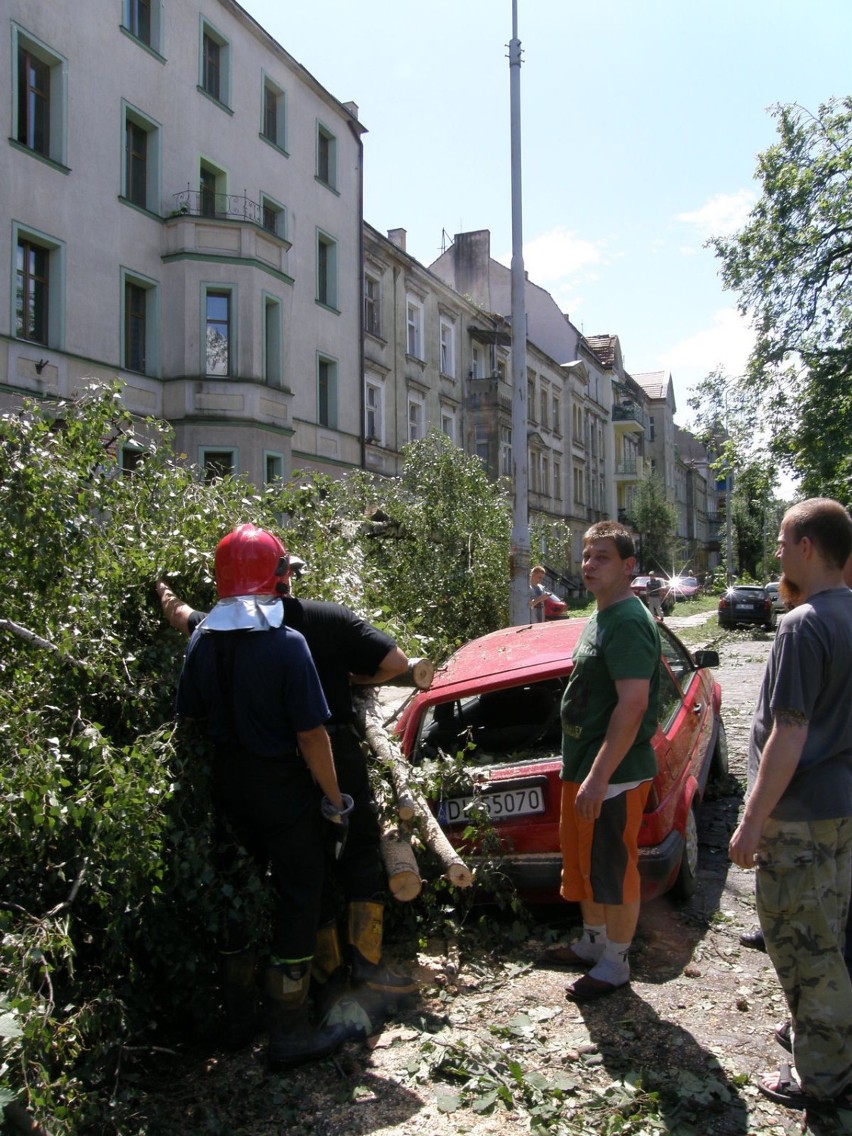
[340, 819]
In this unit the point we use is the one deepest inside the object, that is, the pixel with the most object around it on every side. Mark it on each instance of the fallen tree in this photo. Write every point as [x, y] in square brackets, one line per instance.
[412, 806]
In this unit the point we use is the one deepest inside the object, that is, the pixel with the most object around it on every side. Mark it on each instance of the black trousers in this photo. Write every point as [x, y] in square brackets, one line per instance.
[271, 808]
[359, 873]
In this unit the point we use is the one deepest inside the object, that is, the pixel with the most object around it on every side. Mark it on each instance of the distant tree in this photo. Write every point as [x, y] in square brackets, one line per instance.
[656, 520]
[792, 267]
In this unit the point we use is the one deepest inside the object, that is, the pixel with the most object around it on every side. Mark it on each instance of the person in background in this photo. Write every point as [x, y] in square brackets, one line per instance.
[609, 718]
[252, 679]
[655, 596]
[537, 594]
[796, 826]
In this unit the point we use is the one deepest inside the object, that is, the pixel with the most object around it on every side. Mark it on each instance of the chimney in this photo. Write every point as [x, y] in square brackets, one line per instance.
[397, 237]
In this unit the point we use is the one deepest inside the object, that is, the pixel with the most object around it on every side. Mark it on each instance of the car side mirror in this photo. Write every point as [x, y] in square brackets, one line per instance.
[706, 658]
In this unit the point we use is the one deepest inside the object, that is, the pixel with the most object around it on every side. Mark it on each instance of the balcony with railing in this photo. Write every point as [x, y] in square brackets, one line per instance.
[207, 223]
[628, 416]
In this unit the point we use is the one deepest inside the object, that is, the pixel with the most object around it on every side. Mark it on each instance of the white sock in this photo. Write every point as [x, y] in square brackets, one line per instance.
[613, 965]
[590, 945]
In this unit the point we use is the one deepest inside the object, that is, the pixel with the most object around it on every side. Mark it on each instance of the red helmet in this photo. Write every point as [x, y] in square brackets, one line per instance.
[251, 562]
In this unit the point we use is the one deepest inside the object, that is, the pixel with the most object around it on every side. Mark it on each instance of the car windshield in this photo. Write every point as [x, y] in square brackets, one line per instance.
[516, 723]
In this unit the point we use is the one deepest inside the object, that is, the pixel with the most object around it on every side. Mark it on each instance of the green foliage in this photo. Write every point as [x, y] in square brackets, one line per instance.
[791, 266]
[656, 521]
[446, 572]
[110, 908]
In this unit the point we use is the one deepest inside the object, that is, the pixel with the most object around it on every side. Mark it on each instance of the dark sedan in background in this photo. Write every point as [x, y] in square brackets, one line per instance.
[747, 605]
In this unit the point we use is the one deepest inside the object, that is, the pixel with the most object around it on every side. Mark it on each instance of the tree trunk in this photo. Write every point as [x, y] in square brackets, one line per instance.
[409, 799]
[403, 874]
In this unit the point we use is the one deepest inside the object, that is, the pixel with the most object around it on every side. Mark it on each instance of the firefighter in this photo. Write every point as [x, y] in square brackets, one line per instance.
[346, 650]
[274, 785]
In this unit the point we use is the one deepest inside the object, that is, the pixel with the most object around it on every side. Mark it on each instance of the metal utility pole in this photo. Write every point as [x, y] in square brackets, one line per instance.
[520, 558]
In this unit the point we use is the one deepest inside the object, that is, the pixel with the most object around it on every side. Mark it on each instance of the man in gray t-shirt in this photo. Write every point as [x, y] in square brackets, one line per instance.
[796, 827]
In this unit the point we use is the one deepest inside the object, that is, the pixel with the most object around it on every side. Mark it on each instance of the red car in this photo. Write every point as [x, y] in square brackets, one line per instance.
[498, 700]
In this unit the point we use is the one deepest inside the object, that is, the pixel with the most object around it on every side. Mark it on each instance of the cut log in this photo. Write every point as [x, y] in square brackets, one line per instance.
[401, 865]
[409, 798]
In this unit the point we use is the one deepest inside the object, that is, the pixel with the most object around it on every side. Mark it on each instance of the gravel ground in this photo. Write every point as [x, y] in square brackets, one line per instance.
[696, 1024]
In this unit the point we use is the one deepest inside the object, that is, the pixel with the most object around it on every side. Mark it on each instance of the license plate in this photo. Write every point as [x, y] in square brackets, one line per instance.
[506, 803]
[746, 607]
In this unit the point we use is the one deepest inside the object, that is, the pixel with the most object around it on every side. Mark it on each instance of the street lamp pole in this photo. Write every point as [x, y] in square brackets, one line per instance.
[520, 554]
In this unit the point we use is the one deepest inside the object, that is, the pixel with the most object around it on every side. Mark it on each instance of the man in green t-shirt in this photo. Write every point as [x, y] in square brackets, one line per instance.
[609, 718]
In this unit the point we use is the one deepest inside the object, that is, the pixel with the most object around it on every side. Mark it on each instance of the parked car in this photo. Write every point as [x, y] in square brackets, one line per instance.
[498, 700]
[747, 605]
[683, 587]
[639, 587]
[772, 591]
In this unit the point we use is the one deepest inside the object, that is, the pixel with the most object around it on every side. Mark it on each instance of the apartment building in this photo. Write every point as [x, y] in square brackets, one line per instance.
[182, 209]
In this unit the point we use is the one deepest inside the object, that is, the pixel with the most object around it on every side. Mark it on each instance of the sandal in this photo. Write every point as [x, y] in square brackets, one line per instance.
[784, 1035]
[785, 1089]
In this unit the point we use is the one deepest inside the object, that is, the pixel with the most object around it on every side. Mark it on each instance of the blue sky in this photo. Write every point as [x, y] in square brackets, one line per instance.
[641, 121]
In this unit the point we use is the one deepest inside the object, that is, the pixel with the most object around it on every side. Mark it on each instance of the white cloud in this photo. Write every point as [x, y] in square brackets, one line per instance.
[721, 215]
[552, 257]
[726, 344]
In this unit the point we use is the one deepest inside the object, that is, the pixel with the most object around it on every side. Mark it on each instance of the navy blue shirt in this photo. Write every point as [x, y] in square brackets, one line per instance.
[275, 692]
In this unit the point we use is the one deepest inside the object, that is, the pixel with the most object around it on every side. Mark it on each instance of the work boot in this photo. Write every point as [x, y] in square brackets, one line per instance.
[365, 922]
[328, 975]
[240, 998]
[293, 1038]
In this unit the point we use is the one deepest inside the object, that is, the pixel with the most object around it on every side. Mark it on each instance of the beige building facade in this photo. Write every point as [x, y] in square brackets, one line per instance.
[182, 210]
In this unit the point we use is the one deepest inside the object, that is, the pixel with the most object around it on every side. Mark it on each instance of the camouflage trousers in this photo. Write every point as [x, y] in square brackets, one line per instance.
[804, 876]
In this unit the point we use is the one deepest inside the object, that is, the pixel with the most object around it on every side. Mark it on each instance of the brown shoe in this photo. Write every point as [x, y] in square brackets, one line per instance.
[565, 956]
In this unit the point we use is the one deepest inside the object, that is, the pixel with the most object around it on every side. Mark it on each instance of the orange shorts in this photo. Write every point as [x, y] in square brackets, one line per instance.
[600, 858]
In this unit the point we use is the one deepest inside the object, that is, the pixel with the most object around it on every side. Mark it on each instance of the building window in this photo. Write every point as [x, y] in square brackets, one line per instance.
[213, 189]
[327, 393]
[530, 400]
[505, 451]
[476, 364]
[414, 328]
[273, 216]
[326, 157]
[217, 464]
[543, 401]
[650, 427]
[448, 348]
[480, 443]
[140, 320]
[501, 370]
[32, 291]
[218, 334]
[39, 90]
[141, 173]
[416, 417]
[130, 458]
[556, 411]
[372, 292]
[557, 480]
[374, 411]
[326, 270]
[273, 370]
[448, 423]
[143, 19]
[215, 64]
[273, 468]
[273, 116]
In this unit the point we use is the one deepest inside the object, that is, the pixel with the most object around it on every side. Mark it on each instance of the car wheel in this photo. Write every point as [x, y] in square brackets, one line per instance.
[719, 759]
[684, 886]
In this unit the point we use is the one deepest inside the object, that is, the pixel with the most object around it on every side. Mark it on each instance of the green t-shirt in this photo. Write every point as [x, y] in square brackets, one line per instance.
[622, 641]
